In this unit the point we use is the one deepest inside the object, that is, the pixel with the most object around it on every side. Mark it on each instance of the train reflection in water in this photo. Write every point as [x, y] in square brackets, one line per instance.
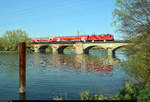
[78, 63]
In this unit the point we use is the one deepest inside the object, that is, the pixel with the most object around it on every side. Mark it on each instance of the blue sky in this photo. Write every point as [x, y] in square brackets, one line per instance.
[43, 18]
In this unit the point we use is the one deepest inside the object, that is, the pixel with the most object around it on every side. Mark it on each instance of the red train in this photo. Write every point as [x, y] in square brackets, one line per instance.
[84, 38]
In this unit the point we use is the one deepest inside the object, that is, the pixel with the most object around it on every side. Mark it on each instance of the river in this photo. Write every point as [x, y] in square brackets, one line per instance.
[64, 75]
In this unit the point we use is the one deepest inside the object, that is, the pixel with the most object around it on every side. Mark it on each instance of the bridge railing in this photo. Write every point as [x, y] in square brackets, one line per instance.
[73, 42]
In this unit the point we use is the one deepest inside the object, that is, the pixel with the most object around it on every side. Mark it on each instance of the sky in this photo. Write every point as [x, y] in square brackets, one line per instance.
[44, 18]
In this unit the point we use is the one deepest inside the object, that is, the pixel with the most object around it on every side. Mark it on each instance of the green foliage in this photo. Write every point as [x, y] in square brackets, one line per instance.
[139, 69]
[11, 38]
[85, 96]
[144, 93]
[139, 63]
[133, 19]
[130, 92]
[1, 43]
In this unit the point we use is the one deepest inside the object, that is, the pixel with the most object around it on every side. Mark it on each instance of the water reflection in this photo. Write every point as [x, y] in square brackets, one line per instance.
[22, 96]
[50, 75]
[77, 63]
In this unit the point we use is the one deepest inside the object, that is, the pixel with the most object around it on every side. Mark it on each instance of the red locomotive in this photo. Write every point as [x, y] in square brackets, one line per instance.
[84, 38]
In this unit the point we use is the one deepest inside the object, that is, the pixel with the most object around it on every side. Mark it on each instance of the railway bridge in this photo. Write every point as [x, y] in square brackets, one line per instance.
[80, 47]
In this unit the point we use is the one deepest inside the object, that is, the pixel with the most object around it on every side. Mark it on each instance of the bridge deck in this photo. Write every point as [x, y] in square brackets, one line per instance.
[73, 42]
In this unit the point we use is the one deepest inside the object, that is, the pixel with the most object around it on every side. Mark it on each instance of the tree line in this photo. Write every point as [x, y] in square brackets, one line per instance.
[9, 41]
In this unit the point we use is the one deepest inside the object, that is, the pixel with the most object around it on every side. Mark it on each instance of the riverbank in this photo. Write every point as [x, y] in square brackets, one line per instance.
[8, 51]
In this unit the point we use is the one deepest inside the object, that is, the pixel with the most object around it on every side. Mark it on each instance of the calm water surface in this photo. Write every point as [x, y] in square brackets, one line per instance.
[66, 75]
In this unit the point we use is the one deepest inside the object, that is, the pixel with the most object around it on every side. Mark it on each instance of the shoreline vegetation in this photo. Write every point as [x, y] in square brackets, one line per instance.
[129, 92]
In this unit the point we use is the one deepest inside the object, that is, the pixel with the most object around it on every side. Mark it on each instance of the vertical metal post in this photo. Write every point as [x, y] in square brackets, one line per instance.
[22, 65]
[78, 35]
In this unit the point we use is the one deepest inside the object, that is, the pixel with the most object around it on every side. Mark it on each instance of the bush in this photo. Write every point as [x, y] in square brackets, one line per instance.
[130, 92]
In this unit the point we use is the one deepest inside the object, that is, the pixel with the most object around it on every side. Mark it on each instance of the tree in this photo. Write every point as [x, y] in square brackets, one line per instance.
[12, 38]
[132, 18]
[1, 44]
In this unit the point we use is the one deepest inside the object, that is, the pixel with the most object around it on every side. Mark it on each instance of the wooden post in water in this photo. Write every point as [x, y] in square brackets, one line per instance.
[22, 65]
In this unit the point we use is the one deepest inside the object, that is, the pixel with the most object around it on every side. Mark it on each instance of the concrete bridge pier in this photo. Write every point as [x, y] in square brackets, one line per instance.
[110, 52]
[110, 60]
[55, 49]
[36, 48]
[79, 48]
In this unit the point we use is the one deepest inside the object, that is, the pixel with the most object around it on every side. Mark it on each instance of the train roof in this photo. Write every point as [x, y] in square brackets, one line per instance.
[70, 36]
